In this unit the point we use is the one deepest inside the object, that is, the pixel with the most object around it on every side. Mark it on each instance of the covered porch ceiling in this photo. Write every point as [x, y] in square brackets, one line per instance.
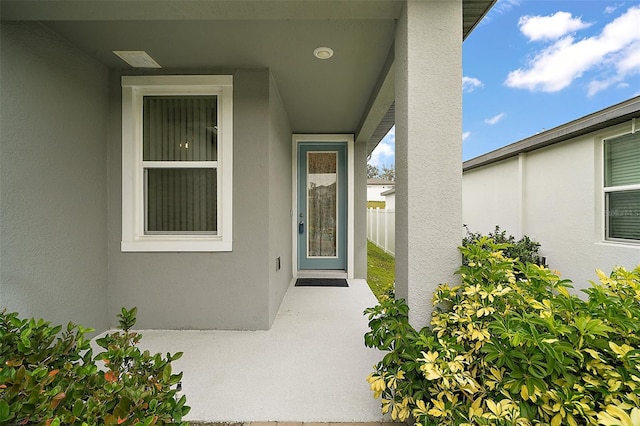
[350, 93]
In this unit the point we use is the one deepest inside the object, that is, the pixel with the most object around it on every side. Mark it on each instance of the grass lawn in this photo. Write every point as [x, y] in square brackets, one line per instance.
[381, 270]
[375, 204]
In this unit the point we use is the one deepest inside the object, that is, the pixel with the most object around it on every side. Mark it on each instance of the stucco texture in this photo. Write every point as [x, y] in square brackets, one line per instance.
[428, 152]
[280, 242]
[491, 196]
[222, 290]
[562, 205]
[53, 132]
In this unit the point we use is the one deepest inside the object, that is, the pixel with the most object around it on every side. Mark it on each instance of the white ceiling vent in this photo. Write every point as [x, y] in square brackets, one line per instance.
[137, 58]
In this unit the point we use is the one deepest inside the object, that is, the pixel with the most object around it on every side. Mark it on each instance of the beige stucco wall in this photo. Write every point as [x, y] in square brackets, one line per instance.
[223, 290]
[53, 221]
[562, 205]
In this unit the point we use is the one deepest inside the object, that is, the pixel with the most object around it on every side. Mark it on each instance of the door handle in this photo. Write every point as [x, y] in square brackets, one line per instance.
[301, 227]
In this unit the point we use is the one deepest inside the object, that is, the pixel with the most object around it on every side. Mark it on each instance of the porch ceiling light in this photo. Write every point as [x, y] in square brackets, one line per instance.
[323, 52]
[137, 58]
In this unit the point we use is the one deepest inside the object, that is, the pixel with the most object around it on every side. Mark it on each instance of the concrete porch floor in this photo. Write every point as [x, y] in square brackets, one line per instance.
[310, 367]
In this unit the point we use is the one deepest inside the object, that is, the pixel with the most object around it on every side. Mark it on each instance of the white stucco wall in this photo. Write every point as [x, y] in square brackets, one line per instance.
[390, 201]
[428, 151]
[491, 196]
[562, 205]
[374, 191]
[53, 175]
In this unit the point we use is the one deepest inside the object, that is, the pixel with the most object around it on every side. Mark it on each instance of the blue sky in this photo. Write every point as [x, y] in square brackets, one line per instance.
[532, 65]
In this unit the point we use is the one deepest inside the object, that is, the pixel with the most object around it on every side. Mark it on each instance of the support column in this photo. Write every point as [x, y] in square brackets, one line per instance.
[428, 86]
[360, 210]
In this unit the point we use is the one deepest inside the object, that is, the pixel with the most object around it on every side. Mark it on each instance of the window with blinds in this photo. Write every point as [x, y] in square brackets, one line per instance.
[180, 161]
[622, 187]
[177, 163]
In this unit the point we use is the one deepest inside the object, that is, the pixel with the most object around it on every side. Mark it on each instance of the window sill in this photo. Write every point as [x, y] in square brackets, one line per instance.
[620, 243]
[164, 244]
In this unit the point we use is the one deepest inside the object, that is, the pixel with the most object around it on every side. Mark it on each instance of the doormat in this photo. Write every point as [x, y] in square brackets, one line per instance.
[321, 282]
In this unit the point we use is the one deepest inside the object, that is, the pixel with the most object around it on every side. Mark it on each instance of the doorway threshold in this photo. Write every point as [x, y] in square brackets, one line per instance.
[321, 273]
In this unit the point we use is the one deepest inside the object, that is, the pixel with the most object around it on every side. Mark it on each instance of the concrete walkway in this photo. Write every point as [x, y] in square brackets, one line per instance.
[298, 424]
[310, 367]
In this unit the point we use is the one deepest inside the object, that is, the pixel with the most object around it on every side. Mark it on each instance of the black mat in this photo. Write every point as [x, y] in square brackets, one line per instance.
[321, 282]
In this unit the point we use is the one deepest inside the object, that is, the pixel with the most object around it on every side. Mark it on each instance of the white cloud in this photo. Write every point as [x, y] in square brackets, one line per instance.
[610, 9]
[626, 63]
[469, 84]
[379, 154]
[385, 152]
[493, 120]
[613, 54]
[630, 58]
[550, 27]
[503, 6]
[500, 8]
[596, 86]
[465, 135]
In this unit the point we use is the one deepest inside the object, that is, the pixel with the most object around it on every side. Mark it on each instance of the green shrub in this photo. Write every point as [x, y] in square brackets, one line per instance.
[503, 350]
[525, 249]
[49, 376]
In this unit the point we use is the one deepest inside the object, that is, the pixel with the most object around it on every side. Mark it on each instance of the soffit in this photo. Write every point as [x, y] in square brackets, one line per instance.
[328, 96]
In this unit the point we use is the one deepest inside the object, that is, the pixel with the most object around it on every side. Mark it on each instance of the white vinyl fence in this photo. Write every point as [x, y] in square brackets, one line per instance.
[381, 229]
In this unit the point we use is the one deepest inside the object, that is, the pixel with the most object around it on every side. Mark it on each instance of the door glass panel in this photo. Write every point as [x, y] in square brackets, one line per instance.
[322, 180]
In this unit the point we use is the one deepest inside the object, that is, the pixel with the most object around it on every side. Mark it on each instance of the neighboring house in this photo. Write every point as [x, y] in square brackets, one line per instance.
[375, 188]
[381, 222]
[389, 198]
[183, 190]
[575, 189]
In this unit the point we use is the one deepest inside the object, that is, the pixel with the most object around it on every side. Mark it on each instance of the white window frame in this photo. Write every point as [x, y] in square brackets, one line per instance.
[134, 88]
[609, 189]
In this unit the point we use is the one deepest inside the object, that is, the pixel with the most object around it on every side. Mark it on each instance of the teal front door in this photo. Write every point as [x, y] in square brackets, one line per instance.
[322, 206]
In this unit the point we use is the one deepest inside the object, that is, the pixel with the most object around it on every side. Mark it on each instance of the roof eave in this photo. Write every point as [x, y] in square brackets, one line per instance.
[475, 18]
[613, 115]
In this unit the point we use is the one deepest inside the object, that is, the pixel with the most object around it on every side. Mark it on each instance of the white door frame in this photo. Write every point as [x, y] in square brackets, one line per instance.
[319, 139]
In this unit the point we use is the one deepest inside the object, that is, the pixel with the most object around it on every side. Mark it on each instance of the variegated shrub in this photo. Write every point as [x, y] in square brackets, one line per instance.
[503, 350]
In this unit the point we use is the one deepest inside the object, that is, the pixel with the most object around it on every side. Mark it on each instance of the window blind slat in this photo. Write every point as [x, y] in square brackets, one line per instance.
[622, 160]
[182, 200]
[180, 129]
[623, 214]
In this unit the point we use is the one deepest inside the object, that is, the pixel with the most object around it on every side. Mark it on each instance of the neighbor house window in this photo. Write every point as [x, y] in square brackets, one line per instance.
[622, 188]
[177, 163]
